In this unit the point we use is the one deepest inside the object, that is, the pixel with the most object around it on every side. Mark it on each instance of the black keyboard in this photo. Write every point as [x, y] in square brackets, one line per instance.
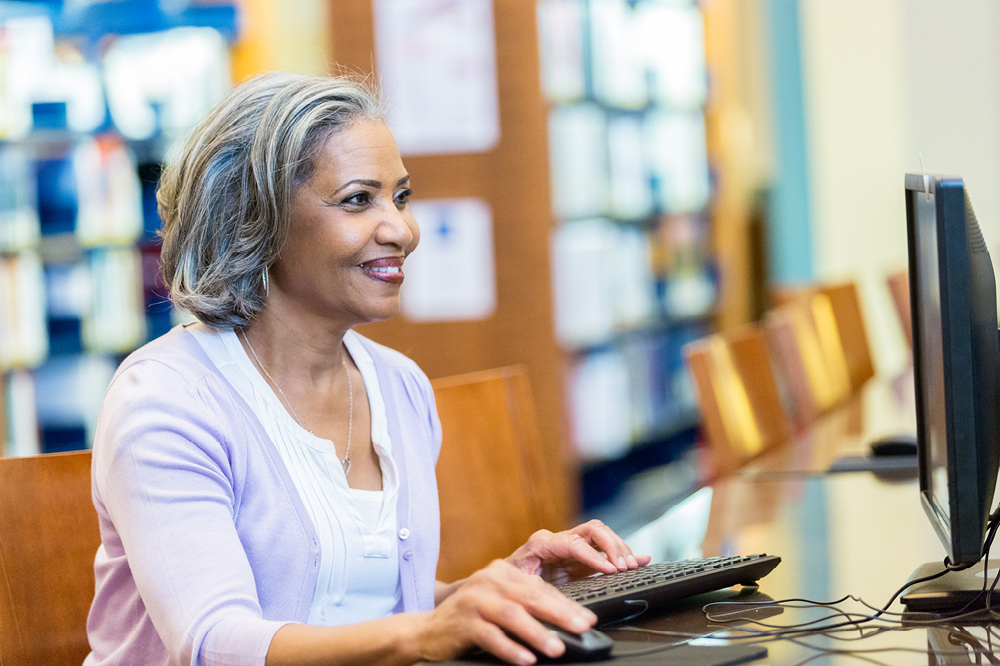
[619, 595]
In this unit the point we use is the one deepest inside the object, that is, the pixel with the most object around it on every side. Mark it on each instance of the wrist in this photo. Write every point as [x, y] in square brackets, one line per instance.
[415, 633]
[444, 590]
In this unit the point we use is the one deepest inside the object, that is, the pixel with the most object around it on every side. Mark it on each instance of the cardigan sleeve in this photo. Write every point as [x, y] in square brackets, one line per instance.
[166, 481]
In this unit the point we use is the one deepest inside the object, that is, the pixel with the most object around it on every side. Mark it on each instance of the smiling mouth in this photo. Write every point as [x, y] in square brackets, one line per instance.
[386, 269]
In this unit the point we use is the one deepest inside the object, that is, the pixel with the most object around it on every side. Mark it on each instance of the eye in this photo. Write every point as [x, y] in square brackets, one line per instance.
[403, 197]
[358, 199]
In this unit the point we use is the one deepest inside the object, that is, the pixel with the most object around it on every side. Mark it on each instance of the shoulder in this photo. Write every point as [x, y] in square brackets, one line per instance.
[169, 380]
[175, 353]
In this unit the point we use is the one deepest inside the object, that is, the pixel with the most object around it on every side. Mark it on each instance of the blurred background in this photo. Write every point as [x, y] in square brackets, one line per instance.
[598, 182]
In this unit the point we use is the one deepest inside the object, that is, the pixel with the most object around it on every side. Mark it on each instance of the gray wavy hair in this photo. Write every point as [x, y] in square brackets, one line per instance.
[224, 198]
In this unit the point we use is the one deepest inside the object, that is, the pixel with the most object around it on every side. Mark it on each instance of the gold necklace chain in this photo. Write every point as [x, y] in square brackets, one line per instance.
[346, 462]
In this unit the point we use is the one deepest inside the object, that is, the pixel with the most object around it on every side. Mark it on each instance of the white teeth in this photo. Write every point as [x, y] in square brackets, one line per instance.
[384, 269]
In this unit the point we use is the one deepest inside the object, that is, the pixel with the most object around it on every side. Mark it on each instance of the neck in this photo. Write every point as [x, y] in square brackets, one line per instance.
[296, 349]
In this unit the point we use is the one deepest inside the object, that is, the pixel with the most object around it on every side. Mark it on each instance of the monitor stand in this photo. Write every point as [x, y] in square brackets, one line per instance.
[954, 592]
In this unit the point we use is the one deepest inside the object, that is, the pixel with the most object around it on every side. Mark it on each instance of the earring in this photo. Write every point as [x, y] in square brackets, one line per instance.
[263, 279]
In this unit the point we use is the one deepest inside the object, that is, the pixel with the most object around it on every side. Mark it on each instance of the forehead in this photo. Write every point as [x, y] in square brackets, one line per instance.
[363, 149]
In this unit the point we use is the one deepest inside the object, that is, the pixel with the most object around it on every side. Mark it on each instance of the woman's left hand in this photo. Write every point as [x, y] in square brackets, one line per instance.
[563, 556]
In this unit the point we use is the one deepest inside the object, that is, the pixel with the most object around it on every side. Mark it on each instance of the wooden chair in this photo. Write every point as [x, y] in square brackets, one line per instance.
[497, 484]
[739, 399]
[899, 288]
[812, 363]
[850, 324]
[48, 539]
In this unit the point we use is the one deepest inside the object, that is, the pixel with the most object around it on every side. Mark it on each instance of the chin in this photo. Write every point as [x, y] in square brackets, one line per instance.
[383, 311]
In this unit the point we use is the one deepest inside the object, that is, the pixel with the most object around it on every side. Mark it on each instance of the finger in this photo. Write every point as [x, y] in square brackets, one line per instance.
[521, 626]
[547, 603]
[492, 639]
[540, 599]
[580, 549]
[617, 551]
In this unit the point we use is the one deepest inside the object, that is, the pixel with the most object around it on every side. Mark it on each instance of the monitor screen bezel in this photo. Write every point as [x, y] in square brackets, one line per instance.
[961, 529]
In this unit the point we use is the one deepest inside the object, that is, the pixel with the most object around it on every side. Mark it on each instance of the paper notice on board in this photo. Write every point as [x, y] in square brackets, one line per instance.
[450, 277]
[437, 66]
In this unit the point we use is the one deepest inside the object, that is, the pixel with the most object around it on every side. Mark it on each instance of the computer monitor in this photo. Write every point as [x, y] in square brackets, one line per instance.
[956, 363]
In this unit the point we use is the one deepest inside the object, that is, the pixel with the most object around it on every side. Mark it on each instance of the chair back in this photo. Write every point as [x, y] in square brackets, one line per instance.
[48, 539]
[738, 397]
[496, 483]
[812, 363]
[850, 325]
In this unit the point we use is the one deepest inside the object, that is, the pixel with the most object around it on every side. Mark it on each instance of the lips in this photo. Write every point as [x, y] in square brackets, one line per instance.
[385, 269]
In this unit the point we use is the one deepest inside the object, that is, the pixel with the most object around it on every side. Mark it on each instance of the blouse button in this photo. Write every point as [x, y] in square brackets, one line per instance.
[404, 534]
[407, 554]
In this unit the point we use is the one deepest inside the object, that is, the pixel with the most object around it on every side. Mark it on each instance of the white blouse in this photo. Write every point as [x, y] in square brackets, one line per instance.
[359, 567]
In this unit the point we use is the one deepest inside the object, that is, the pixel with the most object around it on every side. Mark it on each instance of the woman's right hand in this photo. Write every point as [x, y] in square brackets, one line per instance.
[500, 598]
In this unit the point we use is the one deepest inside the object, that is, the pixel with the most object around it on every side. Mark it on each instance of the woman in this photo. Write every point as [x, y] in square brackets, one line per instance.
[264, 479]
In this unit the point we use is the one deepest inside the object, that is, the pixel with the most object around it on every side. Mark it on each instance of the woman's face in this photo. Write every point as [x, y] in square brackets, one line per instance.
[351, 229]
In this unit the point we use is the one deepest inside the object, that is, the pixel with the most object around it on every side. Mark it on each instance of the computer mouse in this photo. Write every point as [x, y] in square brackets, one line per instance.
[591, 645]
[894, 445]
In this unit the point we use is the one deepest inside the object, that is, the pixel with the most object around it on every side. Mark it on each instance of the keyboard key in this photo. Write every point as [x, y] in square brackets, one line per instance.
[659, 584]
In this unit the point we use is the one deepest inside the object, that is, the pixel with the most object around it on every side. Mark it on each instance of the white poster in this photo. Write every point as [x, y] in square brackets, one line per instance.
[437, 66]
[451, 277]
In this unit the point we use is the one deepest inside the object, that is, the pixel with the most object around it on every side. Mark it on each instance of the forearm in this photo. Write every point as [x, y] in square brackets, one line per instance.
[390, 641]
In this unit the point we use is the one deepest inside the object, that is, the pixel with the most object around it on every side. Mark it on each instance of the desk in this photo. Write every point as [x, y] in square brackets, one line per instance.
[837, 534]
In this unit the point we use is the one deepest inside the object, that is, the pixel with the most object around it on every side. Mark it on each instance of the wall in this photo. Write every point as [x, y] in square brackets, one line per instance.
[884, 80]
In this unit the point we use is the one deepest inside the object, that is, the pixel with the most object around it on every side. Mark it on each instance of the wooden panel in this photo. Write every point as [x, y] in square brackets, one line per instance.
[48, 539]
[494, 481]
[731, 150]
[514, 179]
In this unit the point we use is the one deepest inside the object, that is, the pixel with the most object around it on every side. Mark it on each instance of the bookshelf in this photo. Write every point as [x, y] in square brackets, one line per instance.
[626, 84]
[90, 108]
[601, 195]
[513, 179]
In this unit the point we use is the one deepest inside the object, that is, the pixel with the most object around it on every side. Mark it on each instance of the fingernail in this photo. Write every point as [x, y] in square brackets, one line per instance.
[632, 562]
[580, 623]
[525, 658]
[552, 646]
[622, 564]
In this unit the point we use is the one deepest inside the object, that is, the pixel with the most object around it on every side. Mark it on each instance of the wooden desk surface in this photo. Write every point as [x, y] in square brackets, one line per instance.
[837, 534]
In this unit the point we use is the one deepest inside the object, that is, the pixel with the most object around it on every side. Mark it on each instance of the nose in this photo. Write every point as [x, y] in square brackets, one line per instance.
[397, 227]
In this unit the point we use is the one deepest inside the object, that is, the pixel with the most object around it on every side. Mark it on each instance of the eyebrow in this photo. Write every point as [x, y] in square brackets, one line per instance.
[369, 183]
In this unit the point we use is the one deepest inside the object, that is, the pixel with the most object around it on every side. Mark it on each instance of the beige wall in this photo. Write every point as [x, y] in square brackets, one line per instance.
[884, 80]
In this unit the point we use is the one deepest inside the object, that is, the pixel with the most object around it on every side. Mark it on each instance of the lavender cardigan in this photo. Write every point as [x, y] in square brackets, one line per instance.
[206, 547]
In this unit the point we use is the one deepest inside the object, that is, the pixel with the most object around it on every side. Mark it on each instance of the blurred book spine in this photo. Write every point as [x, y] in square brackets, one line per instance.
[626, 83]
[83, 132]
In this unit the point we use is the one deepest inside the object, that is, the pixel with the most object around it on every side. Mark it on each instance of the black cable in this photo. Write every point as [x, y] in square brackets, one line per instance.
[854, 620]
[633, 615]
